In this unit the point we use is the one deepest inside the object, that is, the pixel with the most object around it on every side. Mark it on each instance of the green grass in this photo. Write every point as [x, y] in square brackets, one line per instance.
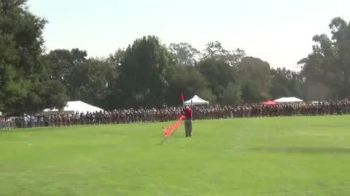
[259, 156]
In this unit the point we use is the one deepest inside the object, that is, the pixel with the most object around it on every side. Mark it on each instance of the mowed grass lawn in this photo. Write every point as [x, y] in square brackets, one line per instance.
[257, 156]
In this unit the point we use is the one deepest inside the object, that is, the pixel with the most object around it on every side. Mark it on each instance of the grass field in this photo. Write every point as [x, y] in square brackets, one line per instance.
[259, 156]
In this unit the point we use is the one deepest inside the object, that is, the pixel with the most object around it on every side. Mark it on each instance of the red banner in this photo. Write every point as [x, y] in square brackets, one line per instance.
[182, 97]
[172, 128]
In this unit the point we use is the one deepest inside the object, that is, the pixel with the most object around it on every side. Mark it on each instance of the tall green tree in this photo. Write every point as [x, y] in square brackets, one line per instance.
[143, 73]
[219, 75]
[327, 68]
[219, 67]
[61, 62]
[21, 45]
[117, 57]
[185, 54]
[255, 79]
[286, 83]
[113, 97]
[232, 94]
[186, 80]
[84, 79]
[215, 50]
[89, 81]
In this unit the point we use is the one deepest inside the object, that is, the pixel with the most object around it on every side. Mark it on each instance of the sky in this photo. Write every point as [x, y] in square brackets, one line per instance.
[277, 31]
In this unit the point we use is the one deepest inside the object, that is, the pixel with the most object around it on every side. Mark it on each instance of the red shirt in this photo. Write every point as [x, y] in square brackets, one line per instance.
[188, 113]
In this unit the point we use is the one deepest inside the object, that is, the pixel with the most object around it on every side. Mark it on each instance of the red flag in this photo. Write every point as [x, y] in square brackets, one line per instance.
[182, 97]
[172, 128]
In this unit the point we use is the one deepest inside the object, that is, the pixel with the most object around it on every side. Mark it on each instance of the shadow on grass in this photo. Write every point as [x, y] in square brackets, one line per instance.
[303, 150]
[162, 142]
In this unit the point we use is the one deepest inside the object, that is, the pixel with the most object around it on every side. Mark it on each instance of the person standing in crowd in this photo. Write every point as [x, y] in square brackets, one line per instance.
[187, 112]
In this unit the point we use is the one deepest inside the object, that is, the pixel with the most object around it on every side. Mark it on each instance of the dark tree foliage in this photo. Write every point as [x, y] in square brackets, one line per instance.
[286, 83]
[82, 78]
[21, 71]
[255, 79]
[185, 54]
[149, 74]
[327, 68]
[143, 74]
[219, 75]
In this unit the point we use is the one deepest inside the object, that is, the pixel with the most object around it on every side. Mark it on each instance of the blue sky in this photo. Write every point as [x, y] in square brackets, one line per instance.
[277, 31]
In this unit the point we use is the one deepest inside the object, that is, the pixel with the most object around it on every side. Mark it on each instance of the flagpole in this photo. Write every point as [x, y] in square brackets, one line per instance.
[192, 109]
[183, 99]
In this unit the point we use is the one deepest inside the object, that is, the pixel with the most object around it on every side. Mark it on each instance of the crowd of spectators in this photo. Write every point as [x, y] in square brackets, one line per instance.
[172, 113]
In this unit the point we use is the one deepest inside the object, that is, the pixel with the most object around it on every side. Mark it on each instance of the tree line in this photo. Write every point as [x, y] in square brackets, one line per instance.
[149, 73]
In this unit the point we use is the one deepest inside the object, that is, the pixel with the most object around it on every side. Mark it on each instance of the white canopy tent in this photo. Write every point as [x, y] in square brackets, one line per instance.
[77, 106]
[288, 100]
[50, 110]
[196, 101]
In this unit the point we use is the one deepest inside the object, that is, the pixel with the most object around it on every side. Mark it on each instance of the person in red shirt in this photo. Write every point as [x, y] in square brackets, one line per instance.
[187, 112]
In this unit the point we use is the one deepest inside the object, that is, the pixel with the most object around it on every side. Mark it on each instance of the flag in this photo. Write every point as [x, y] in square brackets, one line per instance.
[182, 97]
[172, 128]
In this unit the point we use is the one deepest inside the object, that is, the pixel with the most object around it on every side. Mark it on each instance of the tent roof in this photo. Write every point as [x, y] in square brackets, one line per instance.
[77, 106]
[51, 110]
[196, 101]
[81, 107]
[288, 100]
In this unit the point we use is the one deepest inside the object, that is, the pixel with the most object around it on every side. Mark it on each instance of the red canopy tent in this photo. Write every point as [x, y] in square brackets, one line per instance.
[269, 103]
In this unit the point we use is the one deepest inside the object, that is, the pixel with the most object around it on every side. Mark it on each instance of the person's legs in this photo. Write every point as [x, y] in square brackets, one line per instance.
[190, 128]
[187, 128]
